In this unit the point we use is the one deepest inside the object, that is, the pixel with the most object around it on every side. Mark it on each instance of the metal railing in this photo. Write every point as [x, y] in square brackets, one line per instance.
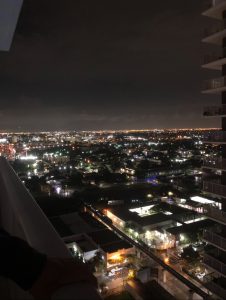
[215, 163]
[215, 137]
[215, 213]
[21, 216]
[214, 238]
[216, 83]
[211, 111]
[214, 263]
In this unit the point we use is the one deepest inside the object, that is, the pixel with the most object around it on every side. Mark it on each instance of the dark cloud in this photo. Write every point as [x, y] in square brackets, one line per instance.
[104, 64]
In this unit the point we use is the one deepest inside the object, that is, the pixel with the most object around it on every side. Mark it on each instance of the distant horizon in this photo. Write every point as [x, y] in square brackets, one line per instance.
[109, 130]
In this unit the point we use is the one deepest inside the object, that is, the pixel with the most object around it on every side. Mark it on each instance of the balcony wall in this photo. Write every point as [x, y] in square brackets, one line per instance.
[21, 216]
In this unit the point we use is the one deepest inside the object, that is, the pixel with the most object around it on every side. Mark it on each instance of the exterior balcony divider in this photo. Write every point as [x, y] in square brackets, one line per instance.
[214, 239]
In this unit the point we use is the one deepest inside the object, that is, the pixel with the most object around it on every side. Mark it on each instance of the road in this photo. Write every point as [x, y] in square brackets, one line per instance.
[145, 249]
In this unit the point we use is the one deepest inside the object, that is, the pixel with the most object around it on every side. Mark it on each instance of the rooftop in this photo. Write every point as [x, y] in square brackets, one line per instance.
[75, 223]
[192, 227]
[154, 219]
[108, 241]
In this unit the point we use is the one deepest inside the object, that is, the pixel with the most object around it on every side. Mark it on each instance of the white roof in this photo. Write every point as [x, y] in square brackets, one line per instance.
[201, 200]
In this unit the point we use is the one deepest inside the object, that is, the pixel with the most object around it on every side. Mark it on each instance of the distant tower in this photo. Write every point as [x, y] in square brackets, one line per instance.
[214, 168]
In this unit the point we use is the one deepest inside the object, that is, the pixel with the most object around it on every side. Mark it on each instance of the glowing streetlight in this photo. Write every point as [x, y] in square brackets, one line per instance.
[166, 260]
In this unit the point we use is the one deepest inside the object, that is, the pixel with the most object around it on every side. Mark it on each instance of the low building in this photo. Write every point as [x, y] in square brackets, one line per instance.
[141, 219]
[114, 250]
[82, 246]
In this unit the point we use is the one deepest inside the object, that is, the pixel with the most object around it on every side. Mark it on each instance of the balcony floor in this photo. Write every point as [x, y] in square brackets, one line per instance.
[216, 11]
[215, 38]
[215, 65]
[214, 90]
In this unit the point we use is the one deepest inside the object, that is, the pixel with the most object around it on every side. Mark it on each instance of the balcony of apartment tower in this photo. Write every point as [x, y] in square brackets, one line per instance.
[215, 34]
[215, 213]
[216, 237]
[216, 284]
[214, 185]
[215, 9]
[215, 259]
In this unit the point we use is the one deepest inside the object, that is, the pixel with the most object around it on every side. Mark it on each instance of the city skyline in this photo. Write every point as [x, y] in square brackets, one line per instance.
[111, 66]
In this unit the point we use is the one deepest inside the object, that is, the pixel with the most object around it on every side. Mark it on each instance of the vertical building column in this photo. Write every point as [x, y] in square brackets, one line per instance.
[223, 98]
[223, 121]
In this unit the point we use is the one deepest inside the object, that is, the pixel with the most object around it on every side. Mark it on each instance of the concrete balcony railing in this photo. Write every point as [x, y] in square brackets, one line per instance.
[215, 163]
[214, 111]
[217, 137]
[216, 85]
[21, 216]
[215, 214]
[214, 239]
[214, 188]
[215, 264]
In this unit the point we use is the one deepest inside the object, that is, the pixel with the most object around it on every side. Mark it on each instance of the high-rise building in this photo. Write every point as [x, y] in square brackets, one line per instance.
[214, 183]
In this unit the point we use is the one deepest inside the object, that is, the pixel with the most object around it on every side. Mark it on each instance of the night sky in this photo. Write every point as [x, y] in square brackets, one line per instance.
[83, 65]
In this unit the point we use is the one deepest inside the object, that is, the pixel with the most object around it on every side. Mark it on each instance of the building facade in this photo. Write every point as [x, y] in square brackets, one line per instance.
[214, 168]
